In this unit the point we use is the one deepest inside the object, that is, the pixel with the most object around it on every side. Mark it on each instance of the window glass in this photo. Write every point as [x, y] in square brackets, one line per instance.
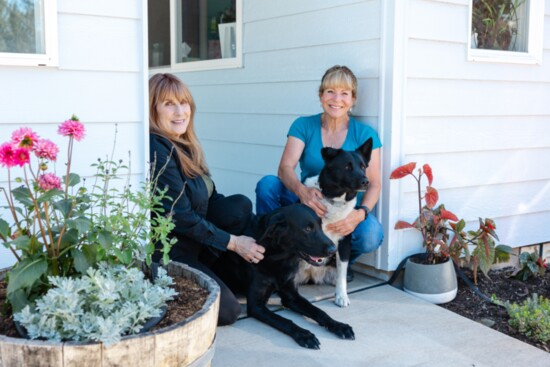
[500, 25]
[159, 32]
[22, 29]
[205, 30]
[202, 30]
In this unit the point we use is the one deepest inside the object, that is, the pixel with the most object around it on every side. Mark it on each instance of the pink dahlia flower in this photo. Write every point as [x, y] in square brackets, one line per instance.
[7, 155]
[49, 181]
[72, 128]
[24, 138]
[21, 157]
[46, 149]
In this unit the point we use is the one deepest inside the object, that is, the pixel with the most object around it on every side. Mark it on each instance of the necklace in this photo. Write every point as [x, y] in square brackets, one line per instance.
[333, 138]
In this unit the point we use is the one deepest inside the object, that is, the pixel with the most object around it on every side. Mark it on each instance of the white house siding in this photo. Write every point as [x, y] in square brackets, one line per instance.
[243, 114]
[483, 127]
[101, 78]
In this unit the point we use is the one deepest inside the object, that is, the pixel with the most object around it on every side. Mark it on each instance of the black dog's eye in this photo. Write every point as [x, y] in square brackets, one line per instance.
[363, 167]
[348, 167]
[309, 228]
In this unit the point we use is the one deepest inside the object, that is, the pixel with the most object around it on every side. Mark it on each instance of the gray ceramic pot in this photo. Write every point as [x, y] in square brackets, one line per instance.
[435, 283]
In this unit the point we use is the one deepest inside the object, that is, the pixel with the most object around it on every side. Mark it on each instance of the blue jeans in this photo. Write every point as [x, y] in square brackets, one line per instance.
[272, 194]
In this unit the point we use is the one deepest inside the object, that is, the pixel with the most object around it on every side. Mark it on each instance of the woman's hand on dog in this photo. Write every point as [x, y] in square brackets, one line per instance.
[311, 197]
[247, 248]
[348, 224]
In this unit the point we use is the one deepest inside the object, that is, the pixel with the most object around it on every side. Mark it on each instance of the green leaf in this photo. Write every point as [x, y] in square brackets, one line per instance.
[22, 243]
[460, 225]
[505, 248]
[81, 224]
[485, 259]
[503, 252]
[74, 179]
[18, 300]
[69, 238]
[105, 239]
[83, 258]
[22, 195]
[49, 195]
[26, 272]
[127, 256]
[4, 229]
[64, 206]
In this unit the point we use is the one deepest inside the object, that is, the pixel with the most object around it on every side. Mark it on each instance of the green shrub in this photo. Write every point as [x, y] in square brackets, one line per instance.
[531, 265]
[531, 318]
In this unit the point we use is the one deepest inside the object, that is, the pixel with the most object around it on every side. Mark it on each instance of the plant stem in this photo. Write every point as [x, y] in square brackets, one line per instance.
[36, 210]
[9, 199]
[69, 154]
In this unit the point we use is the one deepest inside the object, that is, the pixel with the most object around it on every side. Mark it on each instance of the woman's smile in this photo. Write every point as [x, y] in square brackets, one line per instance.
[174, 116]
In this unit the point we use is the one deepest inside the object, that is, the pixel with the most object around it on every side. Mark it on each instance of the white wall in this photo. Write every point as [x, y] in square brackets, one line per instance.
[483, 127]
[101, 78]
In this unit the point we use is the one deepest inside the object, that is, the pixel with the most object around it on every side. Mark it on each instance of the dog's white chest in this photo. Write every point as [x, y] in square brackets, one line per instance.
[337, 208]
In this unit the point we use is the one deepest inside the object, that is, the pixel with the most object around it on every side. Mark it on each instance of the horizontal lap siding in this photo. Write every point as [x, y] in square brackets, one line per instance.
[99, 78]
[243, 115]
[483, 127]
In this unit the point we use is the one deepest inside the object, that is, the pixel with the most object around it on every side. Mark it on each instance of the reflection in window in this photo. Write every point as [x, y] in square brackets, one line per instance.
[204, 30]
[22, 26]
[159, 32]
[500, 25]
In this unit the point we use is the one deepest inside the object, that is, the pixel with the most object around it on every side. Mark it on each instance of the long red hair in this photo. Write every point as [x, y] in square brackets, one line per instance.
[188, 148]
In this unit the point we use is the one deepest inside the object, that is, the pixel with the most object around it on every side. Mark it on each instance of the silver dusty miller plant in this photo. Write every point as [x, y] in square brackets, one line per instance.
[100, 306]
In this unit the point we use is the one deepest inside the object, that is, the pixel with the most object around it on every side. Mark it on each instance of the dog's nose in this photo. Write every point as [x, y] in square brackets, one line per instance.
[365, 182]
[331, 248]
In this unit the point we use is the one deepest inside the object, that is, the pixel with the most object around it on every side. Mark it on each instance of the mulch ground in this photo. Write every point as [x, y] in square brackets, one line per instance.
[189, 300]
[505, 288]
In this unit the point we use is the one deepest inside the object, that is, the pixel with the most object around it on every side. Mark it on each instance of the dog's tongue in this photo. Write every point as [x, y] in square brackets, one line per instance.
[316, 259]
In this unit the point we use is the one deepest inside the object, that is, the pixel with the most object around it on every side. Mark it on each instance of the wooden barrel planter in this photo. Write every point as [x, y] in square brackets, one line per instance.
[190, 342]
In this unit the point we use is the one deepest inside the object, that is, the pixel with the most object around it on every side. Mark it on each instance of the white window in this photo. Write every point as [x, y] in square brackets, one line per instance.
[28, 32]
[195, 34]
[506, 31]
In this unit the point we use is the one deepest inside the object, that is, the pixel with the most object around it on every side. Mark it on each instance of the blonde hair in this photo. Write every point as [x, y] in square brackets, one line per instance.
[339, 77]
[187, 146]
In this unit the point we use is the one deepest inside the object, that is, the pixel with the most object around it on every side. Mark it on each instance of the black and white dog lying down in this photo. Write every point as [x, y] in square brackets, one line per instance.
[289, 234]
[341, 178]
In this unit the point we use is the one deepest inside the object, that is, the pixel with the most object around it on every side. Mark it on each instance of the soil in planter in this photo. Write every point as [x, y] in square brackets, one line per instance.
[505, 288]
[189, 300]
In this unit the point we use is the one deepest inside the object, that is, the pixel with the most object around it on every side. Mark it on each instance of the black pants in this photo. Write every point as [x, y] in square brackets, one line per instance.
[232, 214]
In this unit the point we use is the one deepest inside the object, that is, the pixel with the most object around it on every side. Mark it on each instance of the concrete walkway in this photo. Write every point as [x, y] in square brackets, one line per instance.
[392, 328]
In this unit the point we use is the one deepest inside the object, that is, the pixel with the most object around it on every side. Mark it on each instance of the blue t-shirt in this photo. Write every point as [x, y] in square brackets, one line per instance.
[308, 130]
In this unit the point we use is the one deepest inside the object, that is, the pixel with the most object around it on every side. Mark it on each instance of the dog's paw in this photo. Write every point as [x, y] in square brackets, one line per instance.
[342, 300]
[306, 339]
[342, 330]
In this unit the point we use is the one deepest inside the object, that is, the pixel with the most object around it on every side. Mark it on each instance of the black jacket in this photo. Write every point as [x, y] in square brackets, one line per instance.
[189, 211]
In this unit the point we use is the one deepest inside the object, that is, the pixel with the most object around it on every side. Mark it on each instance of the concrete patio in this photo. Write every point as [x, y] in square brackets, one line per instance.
[392, 328]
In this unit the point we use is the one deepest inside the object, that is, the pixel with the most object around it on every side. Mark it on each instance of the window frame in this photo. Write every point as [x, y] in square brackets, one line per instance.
[50, 57]
[200, 65]
[534, 52]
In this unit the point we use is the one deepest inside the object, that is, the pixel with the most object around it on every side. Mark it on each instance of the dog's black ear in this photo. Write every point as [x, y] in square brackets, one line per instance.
[276, 225]
[328, 153]
[365, 150]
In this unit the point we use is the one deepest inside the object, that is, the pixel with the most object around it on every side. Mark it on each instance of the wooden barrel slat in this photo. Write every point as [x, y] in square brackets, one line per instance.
[82, 354]
[177, 345]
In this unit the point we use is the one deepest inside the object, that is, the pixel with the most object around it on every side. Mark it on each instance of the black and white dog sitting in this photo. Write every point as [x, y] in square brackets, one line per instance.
[341, 178]
[289, 234]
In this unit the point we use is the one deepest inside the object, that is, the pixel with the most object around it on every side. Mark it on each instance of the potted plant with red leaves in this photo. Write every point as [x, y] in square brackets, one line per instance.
[443, 234]
[432, 220]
